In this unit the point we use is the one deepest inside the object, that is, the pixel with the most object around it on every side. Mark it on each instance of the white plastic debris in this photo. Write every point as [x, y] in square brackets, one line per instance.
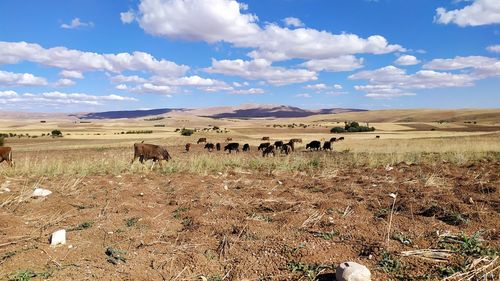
[393, 195]
[352, 271]
[41, 192]
[58, 237]
[280, 182]
[389, 168]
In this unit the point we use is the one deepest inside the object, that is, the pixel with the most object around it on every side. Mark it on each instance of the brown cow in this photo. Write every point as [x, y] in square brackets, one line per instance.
[200, 140]
[145, 151]
[296, 140]
[229, 139]
[265, 138]
[268, 150]
[6, 155]
[188, 146]
[286, 148]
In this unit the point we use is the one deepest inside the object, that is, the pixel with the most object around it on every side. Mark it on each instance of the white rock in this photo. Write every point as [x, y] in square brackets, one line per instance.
[40, 192]
[58, 237]
[352, 271]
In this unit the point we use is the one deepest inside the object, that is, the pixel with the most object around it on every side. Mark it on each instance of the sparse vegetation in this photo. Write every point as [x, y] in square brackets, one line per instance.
[56, 133]
[139, 132]
[187, 132]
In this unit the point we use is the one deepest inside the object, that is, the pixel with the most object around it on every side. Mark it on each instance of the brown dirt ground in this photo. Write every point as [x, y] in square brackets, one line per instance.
[177, 227]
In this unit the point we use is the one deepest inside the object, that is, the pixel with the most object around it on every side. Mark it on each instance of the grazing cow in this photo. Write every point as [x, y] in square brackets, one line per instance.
[314, 145]
[327, 145]
[333, 139]
[341, 138]
[377, 137]
[286, 148]
[263, 146]
[6, 155]
[278, 144]
[232, 146]
[268, 150]
[246, 147]
[145, 151]
[229, 139]
[217, 146]
[296, 140]
[265, 138]
[209, 146]
[188, 146]
[200, 140]
[291, 144]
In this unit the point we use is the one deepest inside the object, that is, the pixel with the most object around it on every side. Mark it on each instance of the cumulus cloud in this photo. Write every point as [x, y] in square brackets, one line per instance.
[493, 48]
[58, 98]
[127, 17]
[478, 67]
[20, 79]
[251, 91]
[293, 22]
[391, 81]
[222, 20]
[71, 74]
[75, 60]
[337, 64]
[407, 60]
[64, 82]
[480, 12]
[260, 69]
[168, 85]
[317, 87]
[77, 23]
[305, 95]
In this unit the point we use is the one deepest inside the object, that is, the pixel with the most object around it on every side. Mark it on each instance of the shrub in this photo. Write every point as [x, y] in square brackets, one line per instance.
[337, 130]
[139, 132]
[56, 133]
[1, 141]
[186, 132]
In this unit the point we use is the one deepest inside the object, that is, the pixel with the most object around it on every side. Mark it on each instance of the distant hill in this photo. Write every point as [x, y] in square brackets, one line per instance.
[243, 111]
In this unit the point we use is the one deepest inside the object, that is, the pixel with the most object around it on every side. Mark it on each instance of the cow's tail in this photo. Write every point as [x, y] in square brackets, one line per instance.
[168, 156]
[142, 141]
[9, 157]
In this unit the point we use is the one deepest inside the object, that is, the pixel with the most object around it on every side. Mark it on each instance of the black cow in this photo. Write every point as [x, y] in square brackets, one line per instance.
[278, 144]
[268, 150]
[209, 146]
[341, 138]
[286, 148]
[333, 139]
[327, 145]
[232, 146]
[314, 145]
[246, 147]
[200, 140]
[377, 137]
[217, 146]
[263, 146]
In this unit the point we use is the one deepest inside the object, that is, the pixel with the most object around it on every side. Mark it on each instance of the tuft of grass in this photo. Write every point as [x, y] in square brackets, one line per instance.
[326, 235]
[389, 263]
[310, 271]
[82, 226]
[131, 222]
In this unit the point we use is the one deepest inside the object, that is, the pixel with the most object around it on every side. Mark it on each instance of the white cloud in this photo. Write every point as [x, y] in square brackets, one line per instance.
[303, 96]
[317, 87]
[127, 17]
[480, 12]
[478, 67]
[222, 20]
[493, 48]
[75, 60]
[58, 98]
[260, 69]
[337, 87]
[149, 88]
[71, 74]
[251, 91]
[64, 82]
[76, 23]
[121, 87]
[392, 81]
[407, 60]
[293, 22]
[20, 79]
[337, 64]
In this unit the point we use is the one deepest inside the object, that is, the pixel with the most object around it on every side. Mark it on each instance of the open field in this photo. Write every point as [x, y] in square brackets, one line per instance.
[244, 217]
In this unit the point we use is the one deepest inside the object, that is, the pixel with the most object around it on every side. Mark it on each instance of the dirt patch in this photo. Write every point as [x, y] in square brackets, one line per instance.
[243, 225]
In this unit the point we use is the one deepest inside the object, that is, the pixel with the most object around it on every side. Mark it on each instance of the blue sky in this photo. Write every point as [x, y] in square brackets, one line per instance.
[75, 56]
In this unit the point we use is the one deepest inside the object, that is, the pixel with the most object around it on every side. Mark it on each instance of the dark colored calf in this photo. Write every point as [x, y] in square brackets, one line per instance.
[263, 146]
[333, 139]
[232, 146]
[278, 144]
[341, 138]
[268, 150]
[217, 146]
[246, 147]
[209, 146]
[314, 145]
[188, 146]
[286, 148]
[265, 138]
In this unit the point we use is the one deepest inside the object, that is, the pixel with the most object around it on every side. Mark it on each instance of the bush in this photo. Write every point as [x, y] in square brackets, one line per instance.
[1, 141]
[337, 130]
[56, 133]
[186, 132]
[354, 127]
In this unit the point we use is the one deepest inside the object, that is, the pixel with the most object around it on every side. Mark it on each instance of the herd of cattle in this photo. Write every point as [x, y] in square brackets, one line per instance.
[144, 151]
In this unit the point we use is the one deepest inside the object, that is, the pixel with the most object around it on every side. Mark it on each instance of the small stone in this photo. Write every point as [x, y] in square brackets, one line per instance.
[141, 194]
[352, 271]
[41, 192]
[58, 237]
